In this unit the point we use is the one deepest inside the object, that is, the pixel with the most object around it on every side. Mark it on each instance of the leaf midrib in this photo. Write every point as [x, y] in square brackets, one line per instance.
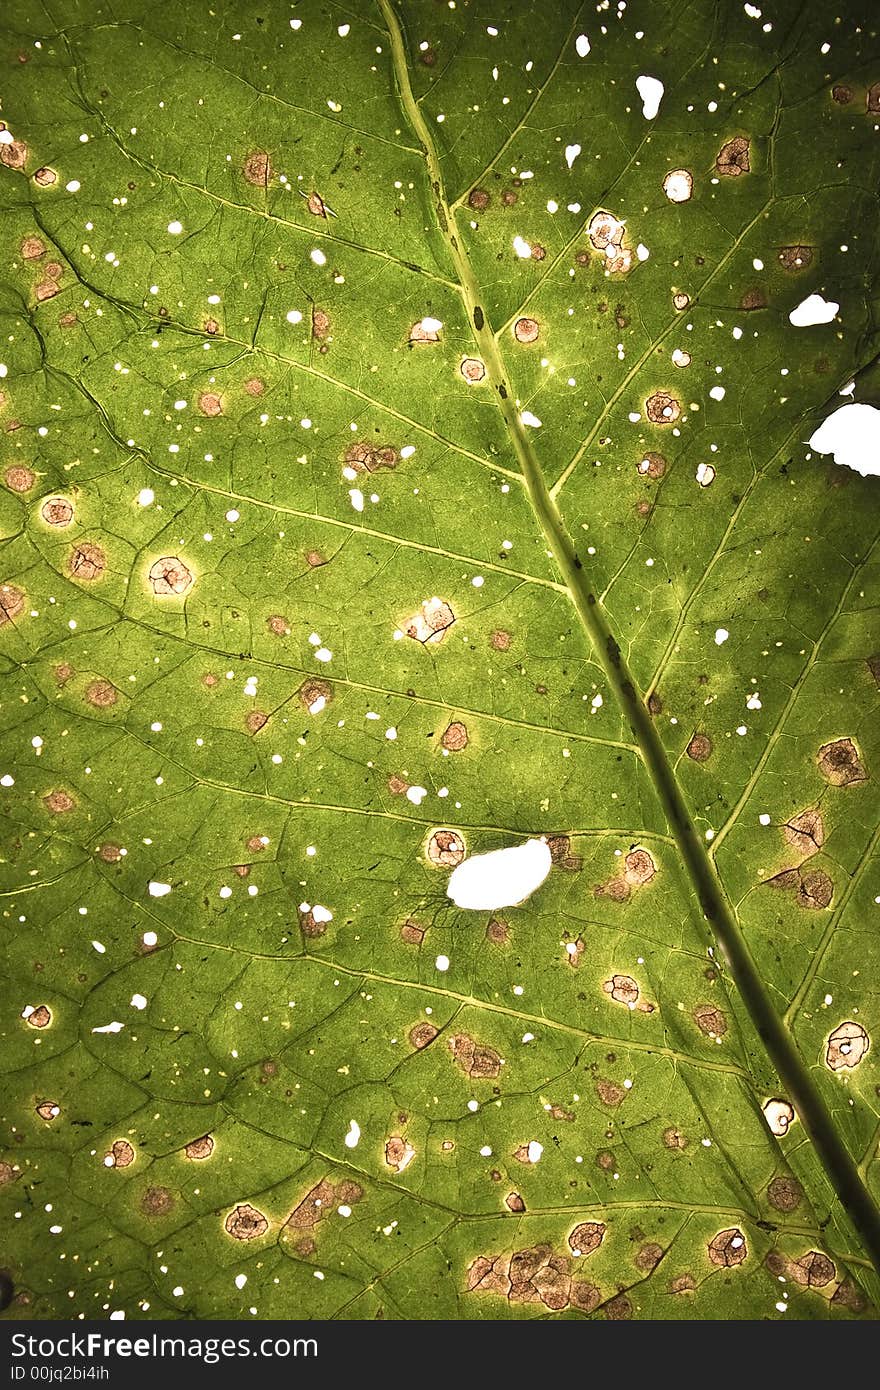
[839, 1165]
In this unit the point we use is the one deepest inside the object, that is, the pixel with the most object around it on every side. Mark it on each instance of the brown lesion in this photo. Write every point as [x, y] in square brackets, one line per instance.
[318, 1202]
[814, 1270]
[446, 849]
[586, 1237]
[123, 1156]
[421, 1035]
[369, 458]
[312, 692]
[475, 1059]
[19, 478]
[244, 1222]
[170, 575]
[12, 601]
[86, 561]
[840, 763]
[846, 1046]
[57, 511]
[58, 802]
[813, 888]
[734, 157]
[497, 932]
[156, 1201]
[412, 933]
[710, 1020]
[662, 408]
[728, 1248]
[455, 737]
[795, 258]
[199, 1149]
[610, 1093]
[784, 1192]
[805, 832]
[257, 169]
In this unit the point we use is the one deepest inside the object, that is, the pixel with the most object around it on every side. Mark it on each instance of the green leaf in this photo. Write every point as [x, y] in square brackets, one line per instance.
[362, 512]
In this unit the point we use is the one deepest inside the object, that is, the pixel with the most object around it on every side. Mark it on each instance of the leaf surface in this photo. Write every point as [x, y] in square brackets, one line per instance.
[365, 508]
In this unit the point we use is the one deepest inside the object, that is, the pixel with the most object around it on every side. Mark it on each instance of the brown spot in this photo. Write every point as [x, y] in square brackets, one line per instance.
[11, 603]
[618, 1309]
[728, 1248]
[514, 1202]
[19, 479]
[733, 158]
[255, 721]
[314, 1205]
[639, 867]
[652, 466]
[46, 289]
[681, 301]
[610, 1093]
[57, 511]
[497, 931]
[526, 330]
[847, 1046]
[315, 694]
[8, 1173]
[14, 155]
[472, 369]
[605, 1160]
[68, 320]
[784, 1193]
[316, 205]
[474, 1059]
[278, 625]
[40, 1017]
[840, 764]
[586, 1237]
[710, 1020]
[873, 664]
[621, 263]
[412, 933]
[559, 847]
[814, 1269]
[795, 257]
[584, 1296]
[421, 333]
[841, 94]
[428, 59]
[446, 849]
[623, 989]
[198, 1149]
[101, 694]
[256, 843]
[209, 403]
[310, 926]
[397, 785]
[157, 1201]
[349, 1191]
[455, 737]
[489, 1274]
[44, 177]
[54, 270]
[753, 299]
[210, 680]
[364, 458]
[314, 559]
[682, 1283]
[170, 576]
[123, 1156]
[849, 1295]
[257, 169]
[242, 870]
[662, 409]
[674, 1139]
[872, 99]
[422, 1035]
[87, 561]
[605, 230]
[617, 889]
[538, 252]
[244, 1222]
[509, 197]
[58, 802]
[254, 386]
[320, 324]
[211, 326]
[815, 888]
[32, 248]
[63, 672]
[649, 1256]
[48, 1110]
[699, 750]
